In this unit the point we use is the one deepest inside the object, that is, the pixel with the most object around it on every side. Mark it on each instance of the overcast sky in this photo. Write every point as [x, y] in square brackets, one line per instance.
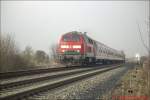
[40, 23]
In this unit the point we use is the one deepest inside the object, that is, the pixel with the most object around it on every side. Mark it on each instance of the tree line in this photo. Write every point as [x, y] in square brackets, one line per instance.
[12, 59]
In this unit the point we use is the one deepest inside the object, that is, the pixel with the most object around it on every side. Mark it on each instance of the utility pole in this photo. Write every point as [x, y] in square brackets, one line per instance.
[149, 50]
[149, 53]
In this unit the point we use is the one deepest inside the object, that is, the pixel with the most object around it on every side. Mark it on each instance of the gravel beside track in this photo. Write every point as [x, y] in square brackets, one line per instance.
[92, 88]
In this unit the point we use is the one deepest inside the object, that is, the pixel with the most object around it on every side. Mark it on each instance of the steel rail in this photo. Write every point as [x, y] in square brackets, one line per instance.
[4, 75]
[40, 78]
[56, 84]
[8, 84]
[12, 74]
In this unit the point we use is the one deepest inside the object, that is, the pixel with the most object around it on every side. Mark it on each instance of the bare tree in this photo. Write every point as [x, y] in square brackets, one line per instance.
[8, 51]
[142, 40]
[28, 55]
[147, 46]
[53, 52]
[40, 56]
[147, 68]
[12, 59]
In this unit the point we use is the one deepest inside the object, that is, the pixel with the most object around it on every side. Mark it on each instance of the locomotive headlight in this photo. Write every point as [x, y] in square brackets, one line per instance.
[78, 50]
[64, 46]
[63, 50]
[76, 46]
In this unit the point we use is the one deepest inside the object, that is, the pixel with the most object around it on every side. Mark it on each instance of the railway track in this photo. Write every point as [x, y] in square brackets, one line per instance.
[13, 74]
[17, 87]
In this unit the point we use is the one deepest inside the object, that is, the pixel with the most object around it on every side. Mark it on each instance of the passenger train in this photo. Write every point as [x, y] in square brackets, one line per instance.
[78, 48]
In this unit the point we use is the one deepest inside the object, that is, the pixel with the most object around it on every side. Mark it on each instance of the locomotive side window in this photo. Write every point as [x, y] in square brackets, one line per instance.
[90, 41]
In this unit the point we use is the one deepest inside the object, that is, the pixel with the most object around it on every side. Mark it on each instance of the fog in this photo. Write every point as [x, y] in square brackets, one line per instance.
[40, 23]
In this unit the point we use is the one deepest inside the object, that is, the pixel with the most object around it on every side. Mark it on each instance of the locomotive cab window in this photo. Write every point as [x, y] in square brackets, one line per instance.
[71, 37]
[75, 37]
[66, 38]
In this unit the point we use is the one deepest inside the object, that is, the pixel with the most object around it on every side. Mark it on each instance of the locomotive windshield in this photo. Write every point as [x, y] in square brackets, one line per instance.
[71, 37]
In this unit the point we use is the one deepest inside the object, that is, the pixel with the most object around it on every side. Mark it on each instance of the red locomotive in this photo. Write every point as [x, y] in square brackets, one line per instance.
[76, 47]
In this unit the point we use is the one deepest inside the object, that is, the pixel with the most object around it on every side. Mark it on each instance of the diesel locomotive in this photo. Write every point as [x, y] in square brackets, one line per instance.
[78, 48]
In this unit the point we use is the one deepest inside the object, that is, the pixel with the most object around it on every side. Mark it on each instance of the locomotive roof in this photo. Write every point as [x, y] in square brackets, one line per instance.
[74, 32]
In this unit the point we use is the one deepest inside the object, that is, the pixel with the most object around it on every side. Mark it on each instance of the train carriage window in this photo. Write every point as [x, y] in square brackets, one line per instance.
[88, 40]
[89, 49]
[105, 50]
[108, 52]
[102, 50]
[95, 45]
[91, 41]
[99, 50]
